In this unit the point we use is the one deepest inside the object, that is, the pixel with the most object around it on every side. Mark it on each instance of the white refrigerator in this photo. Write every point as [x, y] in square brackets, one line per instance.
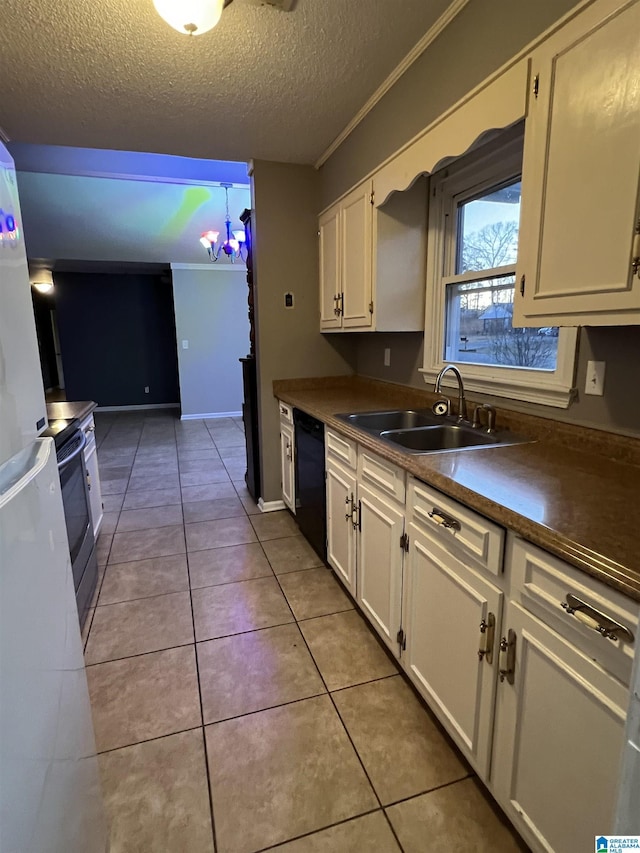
[50, 796]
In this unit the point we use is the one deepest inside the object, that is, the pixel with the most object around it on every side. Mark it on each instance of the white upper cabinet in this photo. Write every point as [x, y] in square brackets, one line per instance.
[345, 262]
[581, 171]
[355, 252]
[330, 281]
[372, 261]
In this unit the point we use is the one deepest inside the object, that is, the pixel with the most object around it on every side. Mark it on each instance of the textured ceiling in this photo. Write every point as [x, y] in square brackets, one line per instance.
[263, 84]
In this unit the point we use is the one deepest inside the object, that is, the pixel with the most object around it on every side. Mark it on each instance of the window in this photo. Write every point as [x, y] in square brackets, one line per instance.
[473, 253]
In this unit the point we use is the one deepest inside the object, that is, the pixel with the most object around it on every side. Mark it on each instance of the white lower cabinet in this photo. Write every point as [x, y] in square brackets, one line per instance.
[341, 536]
[380, 560]
[287, 465]
[558, 739]
[93, 474]
[534, 697]
[452, 621]
[287, 455]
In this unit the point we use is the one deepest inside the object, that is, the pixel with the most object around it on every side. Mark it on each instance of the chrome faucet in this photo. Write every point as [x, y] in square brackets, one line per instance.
[462, 403]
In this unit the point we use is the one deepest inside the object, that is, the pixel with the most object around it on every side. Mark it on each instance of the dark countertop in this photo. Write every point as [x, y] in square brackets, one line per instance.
[67, 411]
[583, 507]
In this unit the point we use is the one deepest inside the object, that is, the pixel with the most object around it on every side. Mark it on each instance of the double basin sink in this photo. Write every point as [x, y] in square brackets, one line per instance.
[424, 432]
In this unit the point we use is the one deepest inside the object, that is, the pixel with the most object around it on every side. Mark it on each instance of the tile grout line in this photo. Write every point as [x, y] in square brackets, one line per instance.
[316, 831]
[197, 662]
[357, 754]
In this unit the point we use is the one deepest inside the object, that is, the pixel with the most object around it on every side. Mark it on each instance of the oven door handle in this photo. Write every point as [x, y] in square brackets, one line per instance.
[76, 452]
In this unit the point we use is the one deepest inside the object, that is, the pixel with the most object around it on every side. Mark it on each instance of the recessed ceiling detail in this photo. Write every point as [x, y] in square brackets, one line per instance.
[261, 84]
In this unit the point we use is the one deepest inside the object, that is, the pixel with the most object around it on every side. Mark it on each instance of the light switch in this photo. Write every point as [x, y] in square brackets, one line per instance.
[387, 356]
[595, 378]
[185, 344]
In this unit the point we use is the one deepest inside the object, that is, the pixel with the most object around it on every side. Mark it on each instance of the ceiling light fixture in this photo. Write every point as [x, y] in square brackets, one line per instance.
[232, 246]
[191, 17]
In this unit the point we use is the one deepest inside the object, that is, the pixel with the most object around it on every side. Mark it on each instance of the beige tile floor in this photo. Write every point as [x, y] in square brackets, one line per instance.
[240, 702]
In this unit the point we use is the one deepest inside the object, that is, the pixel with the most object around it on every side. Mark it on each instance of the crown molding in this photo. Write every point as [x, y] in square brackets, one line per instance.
[418, 49]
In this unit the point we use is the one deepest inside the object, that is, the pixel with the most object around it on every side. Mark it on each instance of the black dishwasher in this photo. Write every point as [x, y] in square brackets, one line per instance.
[311, 513]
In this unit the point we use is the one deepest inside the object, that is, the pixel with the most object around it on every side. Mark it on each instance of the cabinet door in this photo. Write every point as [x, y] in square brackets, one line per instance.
[581, 173]
[355, 250]
[288, 467]
[380, 556]
[341, 542]
[330, 287]
[95, 493]
[444, 605]
[558, 739]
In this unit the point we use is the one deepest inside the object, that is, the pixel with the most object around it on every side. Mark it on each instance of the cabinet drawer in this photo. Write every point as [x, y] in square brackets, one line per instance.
[462, 529]
[540, 583]
[341, 448]
[382, 475]
[286, 412]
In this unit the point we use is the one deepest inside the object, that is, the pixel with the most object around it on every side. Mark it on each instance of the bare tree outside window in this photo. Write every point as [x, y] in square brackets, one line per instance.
[485, 308]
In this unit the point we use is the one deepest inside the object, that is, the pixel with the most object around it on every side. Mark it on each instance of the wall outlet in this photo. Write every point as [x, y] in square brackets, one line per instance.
[595, 378]
[146, 389]
[288, 300]
[185, 344]
[387, 356]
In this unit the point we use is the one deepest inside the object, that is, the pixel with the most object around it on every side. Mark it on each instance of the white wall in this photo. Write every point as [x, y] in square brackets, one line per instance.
[210, 305]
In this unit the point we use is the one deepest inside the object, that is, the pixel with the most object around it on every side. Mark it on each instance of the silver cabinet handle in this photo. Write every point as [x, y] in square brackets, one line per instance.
[487, 628]
[349, 513]
[590, 616]
[507, 663]
[444, 520]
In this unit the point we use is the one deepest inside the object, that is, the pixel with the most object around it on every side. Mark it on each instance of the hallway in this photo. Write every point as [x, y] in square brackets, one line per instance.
[240, 702]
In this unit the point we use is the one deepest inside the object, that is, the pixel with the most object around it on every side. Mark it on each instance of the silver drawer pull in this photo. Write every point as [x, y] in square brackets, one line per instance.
[593, 618]
[443, 519]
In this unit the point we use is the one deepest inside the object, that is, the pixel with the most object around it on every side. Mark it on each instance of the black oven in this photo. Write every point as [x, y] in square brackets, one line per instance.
[70, 442]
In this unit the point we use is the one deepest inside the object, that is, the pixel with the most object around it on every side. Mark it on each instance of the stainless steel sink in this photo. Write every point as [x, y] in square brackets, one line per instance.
[422, 431]
[378, 422]
[434, 438]
[439, 439]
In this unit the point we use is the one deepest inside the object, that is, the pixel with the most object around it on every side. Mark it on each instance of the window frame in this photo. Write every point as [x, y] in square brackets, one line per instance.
[494, 165]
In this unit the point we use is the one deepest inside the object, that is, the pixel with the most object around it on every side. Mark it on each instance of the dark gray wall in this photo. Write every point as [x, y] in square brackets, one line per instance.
[117, 335]
[617, 411]
[289, 343]
[481, 38]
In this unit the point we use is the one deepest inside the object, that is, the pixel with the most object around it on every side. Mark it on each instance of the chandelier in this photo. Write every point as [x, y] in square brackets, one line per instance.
[231, 246]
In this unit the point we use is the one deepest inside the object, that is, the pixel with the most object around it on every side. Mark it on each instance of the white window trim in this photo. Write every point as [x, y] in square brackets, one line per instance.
[494, 164]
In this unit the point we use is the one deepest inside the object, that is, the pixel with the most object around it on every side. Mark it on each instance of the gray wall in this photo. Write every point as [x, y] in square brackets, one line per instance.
[210, 306]
[485, 35]
[286, 201]
[617, 411]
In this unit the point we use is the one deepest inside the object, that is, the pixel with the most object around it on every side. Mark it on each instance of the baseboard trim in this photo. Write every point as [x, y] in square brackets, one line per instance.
[137, 408]
[210, 415]
[270, 506]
